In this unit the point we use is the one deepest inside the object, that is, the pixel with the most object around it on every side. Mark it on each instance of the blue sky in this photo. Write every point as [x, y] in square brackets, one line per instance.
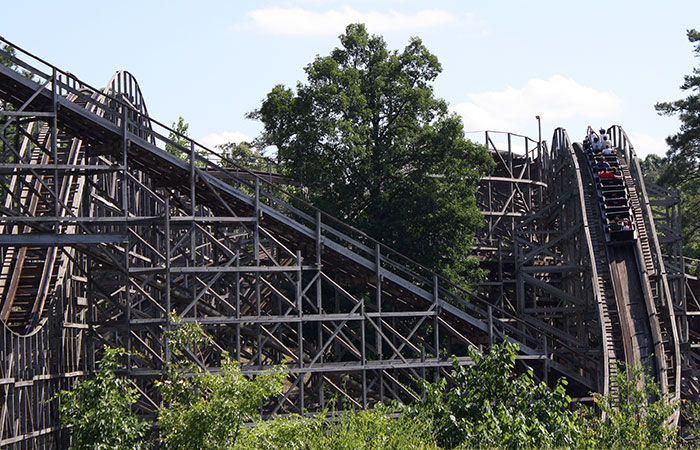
[504, 62]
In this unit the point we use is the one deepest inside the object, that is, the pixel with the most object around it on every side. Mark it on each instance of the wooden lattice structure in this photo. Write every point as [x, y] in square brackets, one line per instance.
[106, 234]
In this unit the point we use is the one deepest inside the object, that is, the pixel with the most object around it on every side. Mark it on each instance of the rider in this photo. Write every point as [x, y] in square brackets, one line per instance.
[607, 149]
[597, 145]
[602, 164]
[607, 174]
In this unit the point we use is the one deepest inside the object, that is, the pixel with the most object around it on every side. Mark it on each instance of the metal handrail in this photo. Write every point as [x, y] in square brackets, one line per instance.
[115, 108]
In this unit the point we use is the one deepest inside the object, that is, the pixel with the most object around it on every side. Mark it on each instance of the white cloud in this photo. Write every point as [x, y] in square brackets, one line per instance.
[214, 139]
[557, 99]
[303, 22]
[645, 144]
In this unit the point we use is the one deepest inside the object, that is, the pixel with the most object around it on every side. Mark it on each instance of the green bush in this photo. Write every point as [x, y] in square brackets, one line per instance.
[361, 430]
[98, 409]
[205, 410]
[488, 406]
[282, 433]
[637, 418]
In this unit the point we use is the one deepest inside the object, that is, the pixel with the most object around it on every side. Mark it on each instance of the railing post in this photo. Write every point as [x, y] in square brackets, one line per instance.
[192, 177]
[490, 313]
[237, 314]
[300, 335]
[546, 359]
[319, 302]
[363, 355]
[167, 277]
[54, 143]
[318, 238]
[436, 315]
[193, 212]
[378, 273]
[378, 335]
[318, 261]
[125, 149]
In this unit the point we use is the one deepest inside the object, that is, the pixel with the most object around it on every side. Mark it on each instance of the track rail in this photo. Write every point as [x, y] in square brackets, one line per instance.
[653, 264]
[138, 233]
[600, 282]
[647, 322]
[349, 245]
[248, 260]
[33, 272]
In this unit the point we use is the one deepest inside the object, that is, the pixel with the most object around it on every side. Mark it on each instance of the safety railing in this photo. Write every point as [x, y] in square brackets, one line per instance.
[563, 150]
[271, 198]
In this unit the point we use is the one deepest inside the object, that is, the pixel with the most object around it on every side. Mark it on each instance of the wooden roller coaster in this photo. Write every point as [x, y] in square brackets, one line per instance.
[106, 234]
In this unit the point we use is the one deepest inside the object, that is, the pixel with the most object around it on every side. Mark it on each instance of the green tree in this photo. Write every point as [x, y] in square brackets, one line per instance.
[376, 148]
[490, 406]
[5, 61]
[244, 154]
[204, 410]
[653, 168]
[683, 157]
[636, 417]
[659, 170]
[181, 149]
[98, 409]
[10, 133]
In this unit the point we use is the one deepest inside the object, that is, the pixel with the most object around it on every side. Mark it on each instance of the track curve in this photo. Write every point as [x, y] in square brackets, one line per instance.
[273, 278]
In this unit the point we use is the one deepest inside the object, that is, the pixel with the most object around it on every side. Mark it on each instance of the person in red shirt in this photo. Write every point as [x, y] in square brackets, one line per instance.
[606, 174]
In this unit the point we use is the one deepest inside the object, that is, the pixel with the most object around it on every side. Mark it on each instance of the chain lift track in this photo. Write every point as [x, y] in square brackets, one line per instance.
[105, 234]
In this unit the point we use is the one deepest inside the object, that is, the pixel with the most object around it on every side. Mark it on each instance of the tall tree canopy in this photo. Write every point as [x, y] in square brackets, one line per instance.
[244, 154]
[376, 148]
[683, 158]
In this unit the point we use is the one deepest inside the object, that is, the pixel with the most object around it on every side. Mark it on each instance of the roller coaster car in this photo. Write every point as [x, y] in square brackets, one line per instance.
[611, 202]
[614, 211]
[613, 194]
[617, 215]
[615, 233]
[618, 226]
[616, 222]
[612, 166]
[608, 158]
[610, 182]
[610, 191]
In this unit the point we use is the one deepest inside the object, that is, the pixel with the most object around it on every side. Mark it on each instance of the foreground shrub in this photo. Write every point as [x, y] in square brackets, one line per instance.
[637, 418]
[204, 410]
[281, 433]
[376, 429]
[99, 409]
[361, 430]
[489, 406]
